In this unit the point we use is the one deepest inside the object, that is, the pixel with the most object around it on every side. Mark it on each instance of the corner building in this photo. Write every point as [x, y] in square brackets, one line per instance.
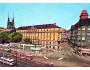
[80, 32]
[47, 35]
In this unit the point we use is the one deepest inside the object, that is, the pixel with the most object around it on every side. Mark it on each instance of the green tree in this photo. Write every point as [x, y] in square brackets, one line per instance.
[4, 37]
[27, 41]
[15, 37]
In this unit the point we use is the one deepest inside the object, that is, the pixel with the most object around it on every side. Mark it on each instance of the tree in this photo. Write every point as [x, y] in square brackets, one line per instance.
[4, 37]
[27, 41]
[15, 37]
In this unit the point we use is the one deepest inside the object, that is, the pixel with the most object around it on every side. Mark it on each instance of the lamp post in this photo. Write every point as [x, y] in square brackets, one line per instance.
[15, 52]
[3, 50]
[35, 47]
[16, 57]
[59, 44]
[3, 53]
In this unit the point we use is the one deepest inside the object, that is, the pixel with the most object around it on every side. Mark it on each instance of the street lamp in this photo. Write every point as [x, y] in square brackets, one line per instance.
[15, 52]
[3, 53]
[16, 57]
[58, 44]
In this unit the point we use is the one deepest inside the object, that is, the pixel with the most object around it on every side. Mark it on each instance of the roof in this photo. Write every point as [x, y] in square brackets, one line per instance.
[7, 30]
[81, 22]
[1, 28]
[43, 26]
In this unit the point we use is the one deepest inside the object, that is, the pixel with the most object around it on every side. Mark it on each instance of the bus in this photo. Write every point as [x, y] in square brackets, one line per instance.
[8, 61]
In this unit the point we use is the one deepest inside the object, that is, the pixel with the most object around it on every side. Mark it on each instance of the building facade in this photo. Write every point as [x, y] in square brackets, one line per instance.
[47, 35]
[80, 32]
[68, 34]
[64, 35]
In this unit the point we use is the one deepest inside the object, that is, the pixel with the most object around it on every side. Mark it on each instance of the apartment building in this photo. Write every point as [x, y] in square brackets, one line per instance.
[80, 32]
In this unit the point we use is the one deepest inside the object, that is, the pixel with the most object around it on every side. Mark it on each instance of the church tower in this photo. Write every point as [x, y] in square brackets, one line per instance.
[84, 14]
[11, 24]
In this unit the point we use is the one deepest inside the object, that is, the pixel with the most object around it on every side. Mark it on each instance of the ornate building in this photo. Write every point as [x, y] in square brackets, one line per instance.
[47, 35]
[80, 32]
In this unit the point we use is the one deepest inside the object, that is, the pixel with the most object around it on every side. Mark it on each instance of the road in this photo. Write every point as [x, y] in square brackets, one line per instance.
[22, 62]
[70, 59]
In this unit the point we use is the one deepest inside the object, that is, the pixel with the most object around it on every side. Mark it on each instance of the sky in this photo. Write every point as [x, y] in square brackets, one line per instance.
[27, 14]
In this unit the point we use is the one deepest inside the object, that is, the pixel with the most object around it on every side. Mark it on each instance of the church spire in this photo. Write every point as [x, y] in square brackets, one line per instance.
[8, 19]
[13, 18]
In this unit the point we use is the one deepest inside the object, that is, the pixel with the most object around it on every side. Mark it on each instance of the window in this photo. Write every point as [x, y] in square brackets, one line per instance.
[83, 28]
[82, 43]
[79, 28]
[79, 33]
[78, 43]
[83, 38]
[88, 33]
[79, 38]
[45, 29]
[40, 30]
[83, 33]
[88, 40]
[88, 28]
